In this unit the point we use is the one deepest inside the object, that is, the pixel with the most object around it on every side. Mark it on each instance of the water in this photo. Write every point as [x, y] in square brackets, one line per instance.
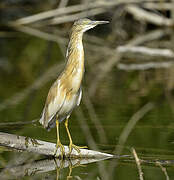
[111, 98]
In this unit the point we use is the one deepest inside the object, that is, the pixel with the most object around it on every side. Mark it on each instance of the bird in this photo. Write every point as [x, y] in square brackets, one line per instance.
[66, 92]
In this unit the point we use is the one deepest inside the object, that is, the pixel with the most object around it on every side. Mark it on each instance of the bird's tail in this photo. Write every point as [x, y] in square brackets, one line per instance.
[49, 124]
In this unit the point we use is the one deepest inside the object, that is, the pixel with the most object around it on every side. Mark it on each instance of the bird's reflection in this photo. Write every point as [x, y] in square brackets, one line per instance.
[43, 166]
[71, 165]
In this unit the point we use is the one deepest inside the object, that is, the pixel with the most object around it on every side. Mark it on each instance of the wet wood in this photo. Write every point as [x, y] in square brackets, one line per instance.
[22, 143]
[42, 166]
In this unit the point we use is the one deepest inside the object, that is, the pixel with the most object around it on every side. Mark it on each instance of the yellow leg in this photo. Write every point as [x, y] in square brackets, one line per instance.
[71, 168]
[71, 145]
[70, 171]
[58, 168]
[58, 142]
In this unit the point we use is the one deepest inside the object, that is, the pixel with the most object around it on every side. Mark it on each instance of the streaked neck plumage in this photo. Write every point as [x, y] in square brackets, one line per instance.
[75, 52]
[74, 69]
[75, 46]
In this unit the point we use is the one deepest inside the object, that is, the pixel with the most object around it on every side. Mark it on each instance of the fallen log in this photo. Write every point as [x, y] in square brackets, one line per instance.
[21, 143]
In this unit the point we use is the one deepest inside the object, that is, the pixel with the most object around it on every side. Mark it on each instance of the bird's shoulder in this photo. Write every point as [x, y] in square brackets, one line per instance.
[58, 90]
[53, 92]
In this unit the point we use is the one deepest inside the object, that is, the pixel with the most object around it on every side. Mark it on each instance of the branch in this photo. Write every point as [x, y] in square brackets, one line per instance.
[73, 17]
[150, 36]
[138, 162]
[158, 6]
[144, 15]
[146, 51]
[131, 124]
[128, 129]
[163, 169]
[71, 9]
[144, 66]
[22, 143]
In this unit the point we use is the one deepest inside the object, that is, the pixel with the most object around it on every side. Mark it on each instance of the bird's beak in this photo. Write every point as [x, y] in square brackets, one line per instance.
[99, 22]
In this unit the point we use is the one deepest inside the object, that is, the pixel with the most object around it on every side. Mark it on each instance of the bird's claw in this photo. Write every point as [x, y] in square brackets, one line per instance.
[77, 148]
[62, 149]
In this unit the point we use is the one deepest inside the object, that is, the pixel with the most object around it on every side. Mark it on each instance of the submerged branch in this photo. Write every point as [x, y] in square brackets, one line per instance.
[22, 143]
[128, 129]
[138, 162]
[163, 169]
[131, 124]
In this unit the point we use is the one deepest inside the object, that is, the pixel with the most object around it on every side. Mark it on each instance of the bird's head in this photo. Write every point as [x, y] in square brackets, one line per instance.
[86, 24]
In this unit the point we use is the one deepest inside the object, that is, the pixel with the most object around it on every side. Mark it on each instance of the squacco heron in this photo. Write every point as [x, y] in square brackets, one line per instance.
[66, 92]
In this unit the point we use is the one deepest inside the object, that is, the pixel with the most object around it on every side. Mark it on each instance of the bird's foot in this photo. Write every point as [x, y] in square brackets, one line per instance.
[77, 148]
[62, 149]
[73, 166]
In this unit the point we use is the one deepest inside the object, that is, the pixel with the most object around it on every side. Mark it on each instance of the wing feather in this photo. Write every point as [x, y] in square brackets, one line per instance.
[55, 99]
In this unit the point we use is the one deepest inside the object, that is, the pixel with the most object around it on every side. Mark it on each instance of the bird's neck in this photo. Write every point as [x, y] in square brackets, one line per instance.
[74, 69]
[75, 50]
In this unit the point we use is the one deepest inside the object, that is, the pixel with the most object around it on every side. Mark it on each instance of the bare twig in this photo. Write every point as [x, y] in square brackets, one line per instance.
[158, 6]
[130, 125]
[86, 130]
[104, 69]
[144, 66]
[49, 14]
[38, 33]
[144, 15]
[22, 143]
[163, 169]
[70, 18]
[41, 34]
[115, 58]
[94, 118]
[137, 160]
[147, 51]
[18, 97]
[71, 9]
[172, 11]
[127, 130]
[18, 123]
[63, 3]
[150, 36]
